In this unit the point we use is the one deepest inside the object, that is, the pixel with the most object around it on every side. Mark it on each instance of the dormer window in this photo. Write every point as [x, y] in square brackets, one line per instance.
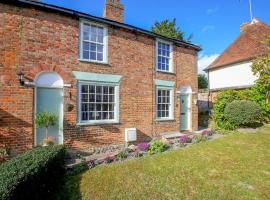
[93, 44]
[164, 56]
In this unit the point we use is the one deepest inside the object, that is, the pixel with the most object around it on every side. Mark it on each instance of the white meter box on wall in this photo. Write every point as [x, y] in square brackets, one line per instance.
[130, 134]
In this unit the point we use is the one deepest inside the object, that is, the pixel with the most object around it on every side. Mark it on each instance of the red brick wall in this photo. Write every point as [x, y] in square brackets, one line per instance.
[33, 41]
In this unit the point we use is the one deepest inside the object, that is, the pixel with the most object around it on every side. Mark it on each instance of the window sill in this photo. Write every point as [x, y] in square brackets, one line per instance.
[166, 120]
[166, 72]
[94, 62]
[98, 123]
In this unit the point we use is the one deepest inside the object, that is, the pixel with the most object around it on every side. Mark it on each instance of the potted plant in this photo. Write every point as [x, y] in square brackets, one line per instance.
[45, 120]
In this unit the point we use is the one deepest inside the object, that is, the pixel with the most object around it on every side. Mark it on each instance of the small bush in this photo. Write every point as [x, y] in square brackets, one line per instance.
[122, 155]
[35, 174]
[156, 147]
[243, 113]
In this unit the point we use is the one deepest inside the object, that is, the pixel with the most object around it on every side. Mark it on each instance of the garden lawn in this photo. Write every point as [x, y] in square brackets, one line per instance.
[236, 166]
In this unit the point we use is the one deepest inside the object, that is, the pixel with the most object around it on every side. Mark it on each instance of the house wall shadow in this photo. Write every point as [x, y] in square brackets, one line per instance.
[15, 133]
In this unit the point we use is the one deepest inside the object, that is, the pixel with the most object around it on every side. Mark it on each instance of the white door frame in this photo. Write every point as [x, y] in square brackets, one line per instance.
[50, 85]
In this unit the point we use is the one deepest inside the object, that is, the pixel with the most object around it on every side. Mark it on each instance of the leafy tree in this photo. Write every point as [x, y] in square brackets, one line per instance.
[261, 68]
[169, 29]
[202, 81]
[45, 120]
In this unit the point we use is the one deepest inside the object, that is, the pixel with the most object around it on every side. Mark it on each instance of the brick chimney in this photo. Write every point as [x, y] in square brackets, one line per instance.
[114, 10]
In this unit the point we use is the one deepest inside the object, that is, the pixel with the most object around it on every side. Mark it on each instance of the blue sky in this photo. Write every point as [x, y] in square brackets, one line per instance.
[213, 23]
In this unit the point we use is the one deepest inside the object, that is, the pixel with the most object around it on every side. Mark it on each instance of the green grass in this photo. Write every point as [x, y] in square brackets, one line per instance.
[234, 167]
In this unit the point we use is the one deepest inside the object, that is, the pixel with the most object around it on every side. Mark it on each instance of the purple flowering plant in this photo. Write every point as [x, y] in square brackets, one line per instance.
[205, 133]
[183, 139]
[143, 146]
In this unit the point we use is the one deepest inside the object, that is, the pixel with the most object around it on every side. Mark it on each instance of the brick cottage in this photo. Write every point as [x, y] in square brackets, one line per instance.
[98, 75]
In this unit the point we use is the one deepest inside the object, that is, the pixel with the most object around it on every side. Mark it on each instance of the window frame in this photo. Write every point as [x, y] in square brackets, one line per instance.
[105, 42]
[95, 122]
[171, 110]
[171, 70]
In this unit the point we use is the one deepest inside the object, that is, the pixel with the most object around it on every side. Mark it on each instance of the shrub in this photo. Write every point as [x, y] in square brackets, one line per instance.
[243, 113]
[143, 146]
[223, 99]
[45, 120]
[122, 154]
[200, 138]
[35, 174]
[156, 147]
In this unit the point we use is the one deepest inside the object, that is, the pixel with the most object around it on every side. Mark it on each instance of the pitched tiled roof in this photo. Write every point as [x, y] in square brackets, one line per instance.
[248, 45]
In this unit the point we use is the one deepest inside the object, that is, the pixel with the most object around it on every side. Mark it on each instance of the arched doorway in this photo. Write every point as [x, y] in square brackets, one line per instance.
[185, 108]
[49, 97]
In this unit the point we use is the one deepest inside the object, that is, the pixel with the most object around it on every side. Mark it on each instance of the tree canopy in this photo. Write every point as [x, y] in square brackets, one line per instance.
[169, 29]
[261, 68]
[202, 81]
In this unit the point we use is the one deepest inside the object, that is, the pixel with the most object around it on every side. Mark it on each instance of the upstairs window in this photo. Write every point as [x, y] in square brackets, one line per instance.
[93, 46]
[164, 56]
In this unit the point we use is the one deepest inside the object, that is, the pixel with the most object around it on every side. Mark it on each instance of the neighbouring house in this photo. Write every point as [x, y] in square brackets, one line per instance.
[232, 69]
[104, 79]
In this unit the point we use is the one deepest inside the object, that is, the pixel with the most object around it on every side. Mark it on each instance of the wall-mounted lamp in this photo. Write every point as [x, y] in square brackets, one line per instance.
[21, 78]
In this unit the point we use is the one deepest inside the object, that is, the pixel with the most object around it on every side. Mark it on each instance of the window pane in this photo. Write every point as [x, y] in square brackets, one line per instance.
[98, 98]
[105, 115]
[111, 90]
[111, 115]
[86, 46]
[93, 47]
[92, 88]
[111, 107]
[99, 107]
[100, 39]
[85, 54]
[98, 115]
[91, 107]
[84, 107]
[100, 48]
[84, 89]
[99, 56]
[105, 98]
[84, 115]
[105, 107]
[93, 55]
[99, 89]
[91, 116]
[92, 98]
[84, 97]
[111, 98]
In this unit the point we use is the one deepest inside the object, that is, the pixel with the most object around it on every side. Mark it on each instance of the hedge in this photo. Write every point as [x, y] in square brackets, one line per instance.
[243, 113]
[36, 174]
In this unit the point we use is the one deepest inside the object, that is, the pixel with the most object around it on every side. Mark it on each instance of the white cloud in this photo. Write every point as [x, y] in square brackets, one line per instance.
[205, 61]
[208, 28]
[211, 11]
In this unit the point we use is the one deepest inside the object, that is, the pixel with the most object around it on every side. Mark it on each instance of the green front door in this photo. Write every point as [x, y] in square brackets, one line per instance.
[184, 112]
[50, 100]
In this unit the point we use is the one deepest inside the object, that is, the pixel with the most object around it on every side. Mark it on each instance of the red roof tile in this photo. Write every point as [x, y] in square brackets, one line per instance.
[248, 45]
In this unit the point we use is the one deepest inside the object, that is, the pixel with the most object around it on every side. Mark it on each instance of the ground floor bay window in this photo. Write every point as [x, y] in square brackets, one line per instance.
[98, 98]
